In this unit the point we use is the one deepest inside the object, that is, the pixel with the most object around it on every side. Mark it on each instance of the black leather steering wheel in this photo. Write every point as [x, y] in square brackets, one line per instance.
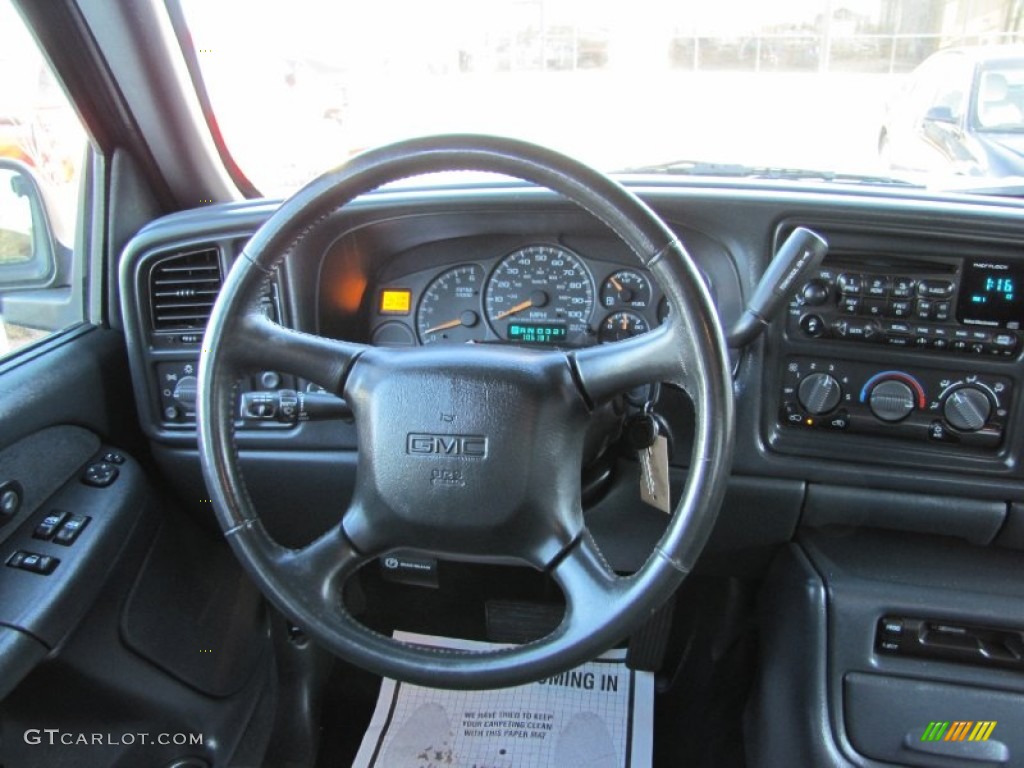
[513, 496]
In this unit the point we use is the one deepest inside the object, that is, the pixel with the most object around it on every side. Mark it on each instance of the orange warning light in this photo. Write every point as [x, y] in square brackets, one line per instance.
[395, 301]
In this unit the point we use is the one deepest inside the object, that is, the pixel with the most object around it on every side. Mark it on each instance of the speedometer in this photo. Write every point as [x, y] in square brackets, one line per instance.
[541, 294]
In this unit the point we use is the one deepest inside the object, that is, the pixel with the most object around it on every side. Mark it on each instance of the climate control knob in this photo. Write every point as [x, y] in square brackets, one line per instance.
[891, 400]
[967, 409]
[819, 393]
[185, 392]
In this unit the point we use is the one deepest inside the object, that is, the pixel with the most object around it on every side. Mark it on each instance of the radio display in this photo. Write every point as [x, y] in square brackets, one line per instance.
[991, 294]
[537, 333]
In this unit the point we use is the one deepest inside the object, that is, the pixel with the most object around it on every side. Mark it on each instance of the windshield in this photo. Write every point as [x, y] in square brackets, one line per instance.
[815, 85]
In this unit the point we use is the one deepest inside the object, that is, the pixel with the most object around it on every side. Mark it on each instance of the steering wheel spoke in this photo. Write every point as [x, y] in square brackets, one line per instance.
[588, 585]
[611, 369]
[322, 566]
[261, 343]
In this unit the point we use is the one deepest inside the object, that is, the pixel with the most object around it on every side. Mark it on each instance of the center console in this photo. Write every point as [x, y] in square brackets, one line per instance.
[906, 347]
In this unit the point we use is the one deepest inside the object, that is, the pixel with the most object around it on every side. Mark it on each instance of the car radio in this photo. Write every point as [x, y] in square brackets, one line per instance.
[971, 307]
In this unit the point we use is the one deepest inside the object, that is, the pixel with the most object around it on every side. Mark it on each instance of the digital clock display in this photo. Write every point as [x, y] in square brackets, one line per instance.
[537, 333]
[991, 294]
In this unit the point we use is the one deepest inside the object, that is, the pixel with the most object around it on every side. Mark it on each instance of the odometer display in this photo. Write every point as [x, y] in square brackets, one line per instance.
[536, 333]
[538, 287]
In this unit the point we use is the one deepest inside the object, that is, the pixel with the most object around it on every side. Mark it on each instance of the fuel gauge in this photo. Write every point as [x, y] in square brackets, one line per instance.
[626, 288]
[622, 325]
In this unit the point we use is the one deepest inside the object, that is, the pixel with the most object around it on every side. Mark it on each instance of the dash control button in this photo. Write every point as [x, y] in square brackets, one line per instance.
[113, 457]
[100, 475]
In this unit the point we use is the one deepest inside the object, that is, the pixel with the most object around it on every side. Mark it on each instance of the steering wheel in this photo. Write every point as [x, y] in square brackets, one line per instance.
[509, 492]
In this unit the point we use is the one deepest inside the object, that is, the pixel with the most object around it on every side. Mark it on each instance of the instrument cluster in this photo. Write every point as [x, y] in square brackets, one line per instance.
[541, 293]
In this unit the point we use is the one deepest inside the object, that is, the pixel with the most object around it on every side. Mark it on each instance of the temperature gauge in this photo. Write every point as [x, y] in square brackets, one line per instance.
[622, 325]
[626, 288]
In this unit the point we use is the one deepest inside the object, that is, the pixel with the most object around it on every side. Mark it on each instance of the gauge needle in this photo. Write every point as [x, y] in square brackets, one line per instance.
[444, 326]
[517, 308]
[616, 283]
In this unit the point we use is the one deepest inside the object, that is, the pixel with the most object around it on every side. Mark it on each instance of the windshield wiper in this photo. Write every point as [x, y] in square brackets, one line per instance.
[740, 171]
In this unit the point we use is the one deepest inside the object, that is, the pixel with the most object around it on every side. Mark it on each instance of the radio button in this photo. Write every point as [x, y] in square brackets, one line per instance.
[850, 284]
[959, 346]
[940, 343]
[983, 336]
[902, 287]
[940, 311]
[874, 308]
[935, 289]
[849, 305]
[900, 308]
[898, 328]
[923, 310]
[876, 286]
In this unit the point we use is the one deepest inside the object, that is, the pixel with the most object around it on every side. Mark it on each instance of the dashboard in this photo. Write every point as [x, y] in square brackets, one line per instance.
[896, 367]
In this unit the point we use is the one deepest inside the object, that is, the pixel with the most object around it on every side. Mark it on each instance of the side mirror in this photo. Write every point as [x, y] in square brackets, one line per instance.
[940, 114]
[28, 247]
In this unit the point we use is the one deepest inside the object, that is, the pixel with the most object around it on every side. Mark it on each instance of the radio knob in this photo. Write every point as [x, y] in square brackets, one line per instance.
[815, 292]
[819, 393]
[891, 400]
[967, 409]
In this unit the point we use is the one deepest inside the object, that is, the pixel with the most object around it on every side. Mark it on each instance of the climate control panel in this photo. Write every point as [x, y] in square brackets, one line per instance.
[914, 403]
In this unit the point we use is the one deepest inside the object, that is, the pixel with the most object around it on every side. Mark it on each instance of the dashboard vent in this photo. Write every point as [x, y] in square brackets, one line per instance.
[183, 289]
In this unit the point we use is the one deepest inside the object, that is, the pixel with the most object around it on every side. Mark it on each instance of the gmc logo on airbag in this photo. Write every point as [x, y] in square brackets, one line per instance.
[455, 446]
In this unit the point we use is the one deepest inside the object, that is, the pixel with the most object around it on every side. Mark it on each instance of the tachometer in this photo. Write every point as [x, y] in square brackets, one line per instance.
[449, 311]
[541, 294]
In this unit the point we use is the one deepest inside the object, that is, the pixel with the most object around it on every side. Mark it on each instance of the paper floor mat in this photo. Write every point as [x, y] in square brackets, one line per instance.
[598, 715]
